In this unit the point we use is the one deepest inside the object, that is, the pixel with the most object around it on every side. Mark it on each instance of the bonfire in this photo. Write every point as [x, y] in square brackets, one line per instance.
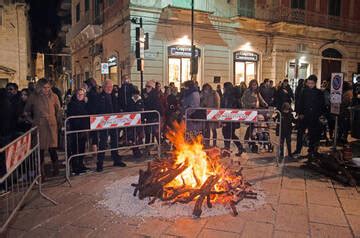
[192, 174]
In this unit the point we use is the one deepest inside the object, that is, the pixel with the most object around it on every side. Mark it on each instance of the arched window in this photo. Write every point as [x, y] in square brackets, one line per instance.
[331, 53]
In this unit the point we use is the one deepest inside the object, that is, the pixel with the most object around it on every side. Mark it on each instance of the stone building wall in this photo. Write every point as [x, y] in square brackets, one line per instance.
[15, 52]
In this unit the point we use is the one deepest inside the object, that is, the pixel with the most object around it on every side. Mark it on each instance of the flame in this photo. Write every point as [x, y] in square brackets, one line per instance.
[199, 164]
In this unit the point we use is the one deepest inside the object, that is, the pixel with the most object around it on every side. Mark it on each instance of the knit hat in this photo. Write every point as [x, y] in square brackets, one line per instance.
[312, 78]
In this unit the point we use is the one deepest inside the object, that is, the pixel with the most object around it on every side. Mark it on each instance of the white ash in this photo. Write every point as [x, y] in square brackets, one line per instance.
[118, 198]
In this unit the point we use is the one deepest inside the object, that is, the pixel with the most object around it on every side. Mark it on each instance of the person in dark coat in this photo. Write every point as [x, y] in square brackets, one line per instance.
[298, 90]
[23, 124]
[6, 131]
[135, 134]
[125, 94]
[267, 92]
[92, 97]
[152, 102]
[284, 94]
[219, 91]
[77, 107]
[16, 104]
[311, 107]
[57, 92]
[286, 128]
[105, 105]
[229, 128]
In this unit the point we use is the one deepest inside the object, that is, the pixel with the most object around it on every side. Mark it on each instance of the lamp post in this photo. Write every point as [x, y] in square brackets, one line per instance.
[192, 68]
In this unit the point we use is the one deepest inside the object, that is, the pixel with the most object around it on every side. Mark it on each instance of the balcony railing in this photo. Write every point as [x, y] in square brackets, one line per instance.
[299, 16]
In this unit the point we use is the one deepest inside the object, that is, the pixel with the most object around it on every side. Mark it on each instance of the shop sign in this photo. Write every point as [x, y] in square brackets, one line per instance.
[104, 68]
[246, 56]
[112, 61]
[182, 51]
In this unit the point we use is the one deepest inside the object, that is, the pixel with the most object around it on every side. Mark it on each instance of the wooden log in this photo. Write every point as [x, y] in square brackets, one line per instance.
[205, 191]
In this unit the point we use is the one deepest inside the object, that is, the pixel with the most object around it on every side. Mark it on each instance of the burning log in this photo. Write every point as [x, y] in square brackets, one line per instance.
[192, 175]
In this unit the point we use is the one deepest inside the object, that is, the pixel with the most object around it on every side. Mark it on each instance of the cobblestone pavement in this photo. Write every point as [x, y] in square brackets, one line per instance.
[299, 204]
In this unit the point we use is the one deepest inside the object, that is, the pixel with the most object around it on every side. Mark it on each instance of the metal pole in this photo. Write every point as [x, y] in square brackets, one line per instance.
[335, 133]
[141, 71]
[192, 41]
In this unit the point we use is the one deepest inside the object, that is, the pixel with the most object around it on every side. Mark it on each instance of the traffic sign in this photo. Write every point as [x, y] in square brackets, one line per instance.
[336, 87]
[104, 68]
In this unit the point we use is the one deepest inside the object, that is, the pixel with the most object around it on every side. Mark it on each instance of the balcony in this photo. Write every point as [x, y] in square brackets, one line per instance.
[299, 16]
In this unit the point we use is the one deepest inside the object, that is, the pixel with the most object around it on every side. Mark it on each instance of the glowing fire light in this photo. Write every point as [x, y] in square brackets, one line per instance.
[200, 165]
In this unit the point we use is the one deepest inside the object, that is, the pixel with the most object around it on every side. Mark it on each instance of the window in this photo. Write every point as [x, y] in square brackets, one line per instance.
[334, 7]
[298, 4]
[331, 53]
[111, 2]
[246, 8]
[87, 5]
[77, 12]
[97, 9]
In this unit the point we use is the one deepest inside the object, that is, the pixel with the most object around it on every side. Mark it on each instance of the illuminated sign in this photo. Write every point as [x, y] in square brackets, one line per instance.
[182, 51]
[245, 56]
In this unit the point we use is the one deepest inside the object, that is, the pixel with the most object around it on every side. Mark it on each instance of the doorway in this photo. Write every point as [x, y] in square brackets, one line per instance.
[330, 63]
[179, 70]
[244, 72]
[328, 67]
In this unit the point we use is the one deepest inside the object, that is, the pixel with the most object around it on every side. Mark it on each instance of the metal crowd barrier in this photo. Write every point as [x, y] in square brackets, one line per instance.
[20, 171]
[126, 131]
[200, 120]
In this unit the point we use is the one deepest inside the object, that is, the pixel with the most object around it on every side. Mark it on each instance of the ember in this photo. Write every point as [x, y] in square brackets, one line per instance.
[192, 174]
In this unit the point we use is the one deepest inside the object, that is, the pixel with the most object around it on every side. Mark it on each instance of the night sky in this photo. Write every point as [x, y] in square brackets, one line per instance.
[44, 23]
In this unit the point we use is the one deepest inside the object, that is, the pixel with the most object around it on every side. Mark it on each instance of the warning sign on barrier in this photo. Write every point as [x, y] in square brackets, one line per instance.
[231, 115]
[114, 121]
[16, 152]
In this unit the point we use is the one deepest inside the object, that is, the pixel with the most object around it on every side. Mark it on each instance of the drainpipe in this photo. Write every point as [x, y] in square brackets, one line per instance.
[18, 41]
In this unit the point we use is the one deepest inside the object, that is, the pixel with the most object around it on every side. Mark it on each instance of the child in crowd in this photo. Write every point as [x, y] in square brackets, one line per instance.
[287, 119]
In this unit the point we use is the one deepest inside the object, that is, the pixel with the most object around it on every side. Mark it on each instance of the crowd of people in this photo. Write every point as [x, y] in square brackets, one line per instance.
[42, 105]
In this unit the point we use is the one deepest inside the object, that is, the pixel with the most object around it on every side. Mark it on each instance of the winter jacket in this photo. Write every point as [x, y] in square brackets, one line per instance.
[125, 94]
[252, 100]
[283, 95]
[92, 96]
[210, 99]
[228, 100]
[311, 104]
[286, 123]
[191, 99]
[6, 122]
[46, 115]
[267, 93]
[105, 104]
[136, 104]
[152, 103]
[77, 108]
[298, 92]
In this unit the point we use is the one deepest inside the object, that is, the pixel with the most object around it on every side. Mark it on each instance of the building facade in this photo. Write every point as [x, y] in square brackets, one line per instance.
[15, 52]
[236, 40]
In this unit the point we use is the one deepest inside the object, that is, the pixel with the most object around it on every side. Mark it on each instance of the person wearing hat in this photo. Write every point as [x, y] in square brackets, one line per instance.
[310, 108]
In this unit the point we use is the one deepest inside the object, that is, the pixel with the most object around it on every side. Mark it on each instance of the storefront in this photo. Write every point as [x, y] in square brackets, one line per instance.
[179, 61]
[113, 69]
[245, 66]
